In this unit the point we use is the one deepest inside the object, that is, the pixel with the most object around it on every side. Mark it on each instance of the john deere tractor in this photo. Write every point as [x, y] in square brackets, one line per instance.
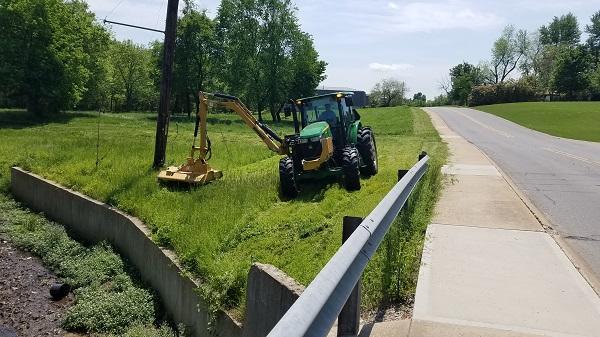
[330, 140]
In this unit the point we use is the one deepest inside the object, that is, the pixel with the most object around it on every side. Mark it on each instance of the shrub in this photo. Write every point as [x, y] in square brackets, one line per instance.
[105, 310]
[507, 92]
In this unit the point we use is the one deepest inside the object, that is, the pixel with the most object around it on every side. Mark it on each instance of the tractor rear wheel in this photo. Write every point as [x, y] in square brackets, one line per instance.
[287, 180]
[351, 167]
[367, 148]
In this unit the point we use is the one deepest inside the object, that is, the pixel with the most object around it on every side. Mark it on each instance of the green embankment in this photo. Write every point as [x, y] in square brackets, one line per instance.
[575, 120]
[219, 229]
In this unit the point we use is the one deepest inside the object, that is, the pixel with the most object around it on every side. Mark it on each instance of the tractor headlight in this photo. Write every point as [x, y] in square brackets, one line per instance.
[315, 139]
[303, 140]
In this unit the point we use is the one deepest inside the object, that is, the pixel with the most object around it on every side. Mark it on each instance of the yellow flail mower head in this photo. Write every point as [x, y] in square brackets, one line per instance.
[194, 172]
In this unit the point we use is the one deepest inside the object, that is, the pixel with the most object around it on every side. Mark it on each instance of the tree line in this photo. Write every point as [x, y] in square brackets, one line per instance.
[57, 56]
[552, 63]
[392, 92]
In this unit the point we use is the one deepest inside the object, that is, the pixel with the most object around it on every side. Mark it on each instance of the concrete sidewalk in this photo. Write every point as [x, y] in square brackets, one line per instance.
[488, 267]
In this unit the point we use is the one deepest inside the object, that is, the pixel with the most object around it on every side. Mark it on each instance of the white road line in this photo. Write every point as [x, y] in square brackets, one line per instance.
[585, 160]
[502, 133]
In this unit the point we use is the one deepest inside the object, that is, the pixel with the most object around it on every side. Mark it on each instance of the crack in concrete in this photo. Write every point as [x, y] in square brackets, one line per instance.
[581, 238]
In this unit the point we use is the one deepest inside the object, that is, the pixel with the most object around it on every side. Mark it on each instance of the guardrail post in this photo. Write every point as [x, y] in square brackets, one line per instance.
[349, 318]
[401, 174]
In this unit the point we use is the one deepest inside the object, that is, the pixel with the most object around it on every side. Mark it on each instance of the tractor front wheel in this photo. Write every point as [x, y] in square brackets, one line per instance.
[287, 180]
[351, 166]
[368, 151]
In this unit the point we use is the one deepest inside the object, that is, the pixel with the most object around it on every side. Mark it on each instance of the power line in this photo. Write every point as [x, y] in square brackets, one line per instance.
[133, 26]
[112, 11]
[159, 11]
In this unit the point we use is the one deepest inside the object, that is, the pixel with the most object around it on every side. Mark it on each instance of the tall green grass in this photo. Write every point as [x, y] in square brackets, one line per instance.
[219, 229]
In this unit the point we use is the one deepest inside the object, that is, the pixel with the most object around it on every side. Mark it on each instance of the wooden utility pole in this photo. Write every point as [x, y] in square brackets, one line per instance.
[162, 121]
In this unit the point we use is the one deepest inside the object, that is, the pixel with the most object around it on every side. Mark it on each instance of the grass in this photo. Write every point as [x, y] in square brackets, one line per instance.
[219, 229]
[108, 299]
[575, 120]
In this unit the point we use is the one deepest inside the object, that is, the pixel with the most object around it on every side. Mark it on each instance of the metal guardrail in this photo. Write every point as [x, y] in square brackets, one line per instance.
[315, 311]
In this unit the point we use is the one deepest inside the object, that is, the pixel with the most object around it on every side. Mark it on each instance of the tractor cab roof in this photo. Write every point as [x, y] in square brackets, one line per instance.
[336, 94]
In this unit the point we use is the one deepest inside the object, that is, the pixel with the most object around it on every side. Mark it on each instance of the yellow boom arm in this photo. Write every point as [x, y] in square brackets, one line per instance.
[197, 170]
[266, 135]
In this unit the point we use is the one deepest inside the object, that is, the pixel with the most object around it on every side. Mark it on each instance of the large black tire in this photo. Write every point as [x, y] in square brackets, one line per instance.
[287, 179]
[351, 167]
[367, 148]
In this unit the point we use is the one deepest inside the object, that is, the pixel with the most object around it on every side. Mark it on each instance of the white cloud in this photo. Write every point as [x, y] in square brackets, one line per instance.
[390, 67]
[430, 16]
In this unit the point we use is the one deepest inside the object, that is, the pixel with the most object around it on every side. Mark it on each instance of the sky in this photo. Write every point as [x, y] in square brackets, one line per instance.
[365, 41]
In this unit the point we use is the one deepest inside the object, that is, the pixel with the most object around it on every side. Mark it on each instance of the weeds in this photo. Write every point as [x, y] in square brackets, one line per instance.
[108, 300]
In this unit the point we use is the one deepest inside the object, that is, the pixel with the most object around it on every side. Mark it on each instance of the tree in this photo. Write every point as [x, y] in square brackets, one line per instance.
[562, 30]
[264, 55]
[195, 52]
[50, 52]
[389, 92]
[238, 30]
[419, 97]
[130, 73]
[569, 74]
[463, 77]
[445, 84]
[594, 79]
[438, 100]
[278, 25]
[307, 71]
[538, 63]
[507, 52]
[531, 57]
[593, 41]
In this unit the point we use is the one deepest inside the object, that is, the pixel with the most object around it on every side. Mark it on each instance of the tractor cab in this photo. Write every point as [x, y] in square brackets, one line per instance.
[331, 112]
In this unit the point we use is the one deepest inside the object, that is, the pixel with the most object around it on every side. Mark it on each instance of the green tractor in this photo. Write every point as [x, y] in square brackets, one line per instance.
[329, 140]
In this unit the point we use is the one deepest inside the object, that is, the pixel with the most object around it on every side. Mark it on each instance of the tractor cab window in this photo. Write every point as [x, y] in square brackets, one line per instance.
[348, 116]
[323, 109]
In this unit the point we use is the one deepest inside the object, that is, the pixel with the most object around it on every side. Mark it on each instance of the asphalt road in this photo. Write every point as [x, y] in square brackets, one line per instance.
[560, 176]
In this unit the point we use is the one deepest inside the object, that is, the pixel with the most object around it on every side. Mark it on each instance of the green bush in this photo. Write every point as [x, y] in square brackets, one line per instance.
[95, 266]
[107, 310]
[507, 92]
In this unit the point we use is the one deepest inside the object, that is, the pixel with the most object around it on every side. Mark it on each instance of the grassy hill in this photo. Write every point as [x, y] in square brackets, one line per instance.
[219, 229]
[576, 120]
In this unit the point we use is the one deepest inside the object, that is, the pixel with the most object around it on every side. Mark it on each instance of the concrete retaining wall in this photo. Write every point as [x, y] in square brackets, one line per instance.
[270, 291]
[269, 295]
[93, 221]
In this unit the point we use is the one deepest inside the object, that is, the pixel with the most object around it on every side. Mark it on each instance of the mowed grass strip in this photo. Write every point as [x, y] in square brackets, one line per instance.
[219, 229]
[575, 120]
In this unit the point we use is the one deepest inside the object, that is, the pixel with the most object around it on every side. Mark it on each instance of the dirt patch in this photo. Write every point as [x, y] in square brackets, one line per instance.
[25, 303]
[391, 312]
